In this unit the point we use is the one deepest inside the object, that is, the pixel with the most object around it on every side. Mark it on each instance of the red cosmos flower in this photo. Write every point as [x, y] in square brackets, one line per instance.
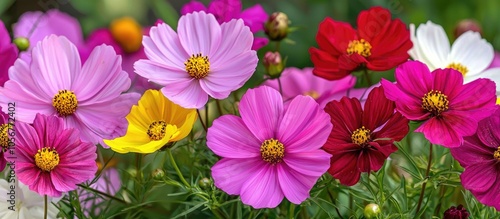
[379, 44]
[361, 139]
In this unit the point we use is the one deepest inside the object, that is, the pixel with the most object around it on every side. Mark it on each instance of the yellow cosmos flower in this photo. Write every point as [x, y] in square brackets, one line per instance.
[153, 123]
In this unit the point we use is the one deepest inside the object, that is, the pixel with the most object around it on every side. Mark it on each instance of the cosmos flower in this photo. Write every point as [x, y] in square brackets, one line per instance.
[153, 123]
[108, 182]
[88, 97]
[271, 151]
[8, 54]
[448, 109]
[480, 156]
[203, 58]
[51, 159]
[378, 44]
[302, 82]
[4, 138]
[362, 137]
[226, 10]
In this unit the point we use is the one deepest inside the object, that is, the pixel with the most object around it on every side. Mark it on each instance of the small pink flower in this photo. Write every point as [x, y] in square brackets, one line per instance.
[271, 151]
[51, 159]
[8, 54]
[448, 109]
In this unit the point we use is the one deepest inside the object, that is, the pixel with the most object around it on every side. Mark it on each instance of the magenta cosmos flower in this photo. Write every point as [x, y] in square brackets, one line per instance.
[51, 159]
[302, 82]
[272, 151]
[480, 156]
[226, 10]
[203, 58]
[4, 138]
[362, 138]
[88, 97]
[8, 54]
[448, 109]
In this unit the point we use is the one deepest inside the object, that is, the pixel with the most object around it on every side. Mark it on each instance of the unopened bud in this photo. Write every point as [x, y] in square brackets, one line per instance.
[158, 174]
[22, 43]
[276, 27]
[204, 183]
[466, 25]
[273, 64]
[458, 212]
[371, 211]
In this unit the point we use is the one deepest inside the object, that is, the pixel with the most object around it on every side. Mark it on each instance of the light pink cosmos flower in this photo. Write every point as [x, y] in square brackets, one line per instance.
[51, 159]
[480, 156]
[449, 109]
[296, 81]
[203, 58]
[87, 97]
[272, 151]
[8, 53]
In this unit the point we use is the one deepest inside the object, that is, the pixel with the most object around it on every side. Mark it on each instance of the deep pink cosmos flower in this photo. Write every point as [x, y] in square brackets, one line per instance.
[4, 138]
[226, 10]
[480, 156]
[51, 159]
[88, 97]
[449, 109]
[272, 151]
[362, 138]
[302, 82]
[8, 54]
[203, 58]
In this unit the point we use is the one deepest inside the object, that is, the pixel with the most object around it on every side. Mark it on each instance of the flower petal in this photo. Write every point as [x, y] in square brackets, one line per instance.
[311, 163]
[199, 32]
[262, 189]
[295, 186]
[231, 174]
[434, 45]
[479, 176]
[471, 51]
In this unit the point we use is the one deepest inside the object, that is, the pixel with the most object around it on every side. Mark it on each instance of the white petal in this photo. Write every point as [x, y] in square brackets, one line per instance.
[433, 44]
[472, 51]
[492, 74]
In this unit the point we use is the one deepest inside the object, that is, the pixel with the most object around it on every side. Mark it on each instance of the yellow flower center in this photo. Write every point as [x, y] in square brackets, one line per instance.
[361, 136]
[156, 130]
[46, 159]
[496, 154]
[459, 67]
[197, 66]
[4, 136]
[361, 47]
[272, 151]
[128, 33]
[435, 102]
[312, 93]
[65, 102]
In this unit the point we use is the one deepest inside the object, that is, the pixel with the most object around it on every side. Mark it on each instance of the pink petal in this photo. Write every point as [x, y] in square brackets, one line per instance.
[414, 79]
[254, 17]
[406, 104]
[163, 46]
[159, 73]
[477, 98]
[479, 176]
[448, 81]
[225, 10]
[311, 163]
[229, 137]
[237, 40]
[44, 186]
[259, 42]
[230, 174]
[447, 131]
[21, 74]
[199, 32]
[472, 151]
[295, 186]
[192, 6]
[262, 189]
[187, 94]
[261, 110]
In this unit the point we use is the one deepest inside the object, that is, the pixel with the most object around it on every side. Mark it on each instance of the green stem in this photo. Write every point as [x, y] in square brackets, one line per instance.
[334, 203]
[219, 108]
[277, 48]
[291, 211]
[201, 120]
[45, 207]
[101, 193]
[425, 182]
[138, 164]
[367, 76]
[177, 170]
[217, 213]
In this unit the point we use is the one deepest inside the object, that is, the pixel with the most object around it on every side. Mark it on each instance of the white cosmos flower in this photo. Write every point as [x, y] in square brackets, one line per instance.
[28, 204]
[469, 54]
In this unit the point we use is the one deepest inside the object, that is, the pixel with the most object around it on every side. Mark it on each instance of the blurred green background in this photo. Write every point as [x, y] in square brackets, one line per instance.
[304, 14]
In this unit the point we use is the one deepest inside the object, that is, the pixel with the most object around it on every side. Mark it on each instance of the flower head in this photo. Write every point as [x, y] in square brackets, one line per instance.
[480, 156]
[5, 139]
[8, 54]
[458, 212]
[153, 123]
[203, 58]
[87, 97]
[271, 151]
[51, 159]
[226, 10]
[379, 44]
[449, 109]
[362, 138]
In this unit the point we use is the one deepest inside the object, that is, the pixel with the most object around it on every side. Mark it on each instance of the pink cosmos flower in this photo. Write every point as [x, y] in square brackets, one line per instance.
[203, 58]
[8, 53]
[87, 97]
[4, 138]
[449, 109]
[51, 159]
[37, 25]
[272, 151]
[480, 156]
[226, 10]
[296, 81]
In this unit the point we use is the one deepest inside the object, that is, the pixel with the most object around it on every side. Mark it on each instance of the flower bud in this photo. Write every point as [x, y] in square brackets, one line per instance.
[204, 183]
[22, 43]
[371, 211]
[158, 174]
[458, 212]
[276, 27]
[466, 25]
[273, 64]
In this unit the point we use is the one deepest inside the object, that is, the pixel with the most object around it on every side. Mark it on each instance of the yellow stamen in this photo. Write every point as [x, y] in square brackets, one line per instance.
[272, 151]
[4, 136]
[197, 66]
[47, 159]
[361, 136]
[65, 102]
[435, 102]
[459, 67]
[157, 130]
[361, 47]
[312, 93]
[496, 154]
[128, 33]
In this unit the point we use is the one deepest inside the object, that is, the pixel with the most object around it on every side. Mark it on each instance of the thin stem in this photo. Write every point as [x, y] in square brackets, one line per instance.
[217, 213]
[102, 193]
[219, 108]
[425, 182]
[138, 164]
[177, 170]
[277, 48]
[45, 207]
[291, 211]
[281, 88]
[367, 76]
[333, 201]
[201, 120]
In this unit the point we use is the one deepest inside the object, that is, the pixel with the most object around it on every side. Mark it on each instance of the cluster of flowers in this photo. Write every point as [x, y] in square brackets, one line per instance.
[289, 131]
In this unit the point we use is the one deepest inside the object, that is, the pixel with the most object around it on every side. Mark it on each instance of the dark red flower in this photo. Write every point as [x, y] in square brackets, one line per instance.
[458, 212]
[361, 139]
[379, 44]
